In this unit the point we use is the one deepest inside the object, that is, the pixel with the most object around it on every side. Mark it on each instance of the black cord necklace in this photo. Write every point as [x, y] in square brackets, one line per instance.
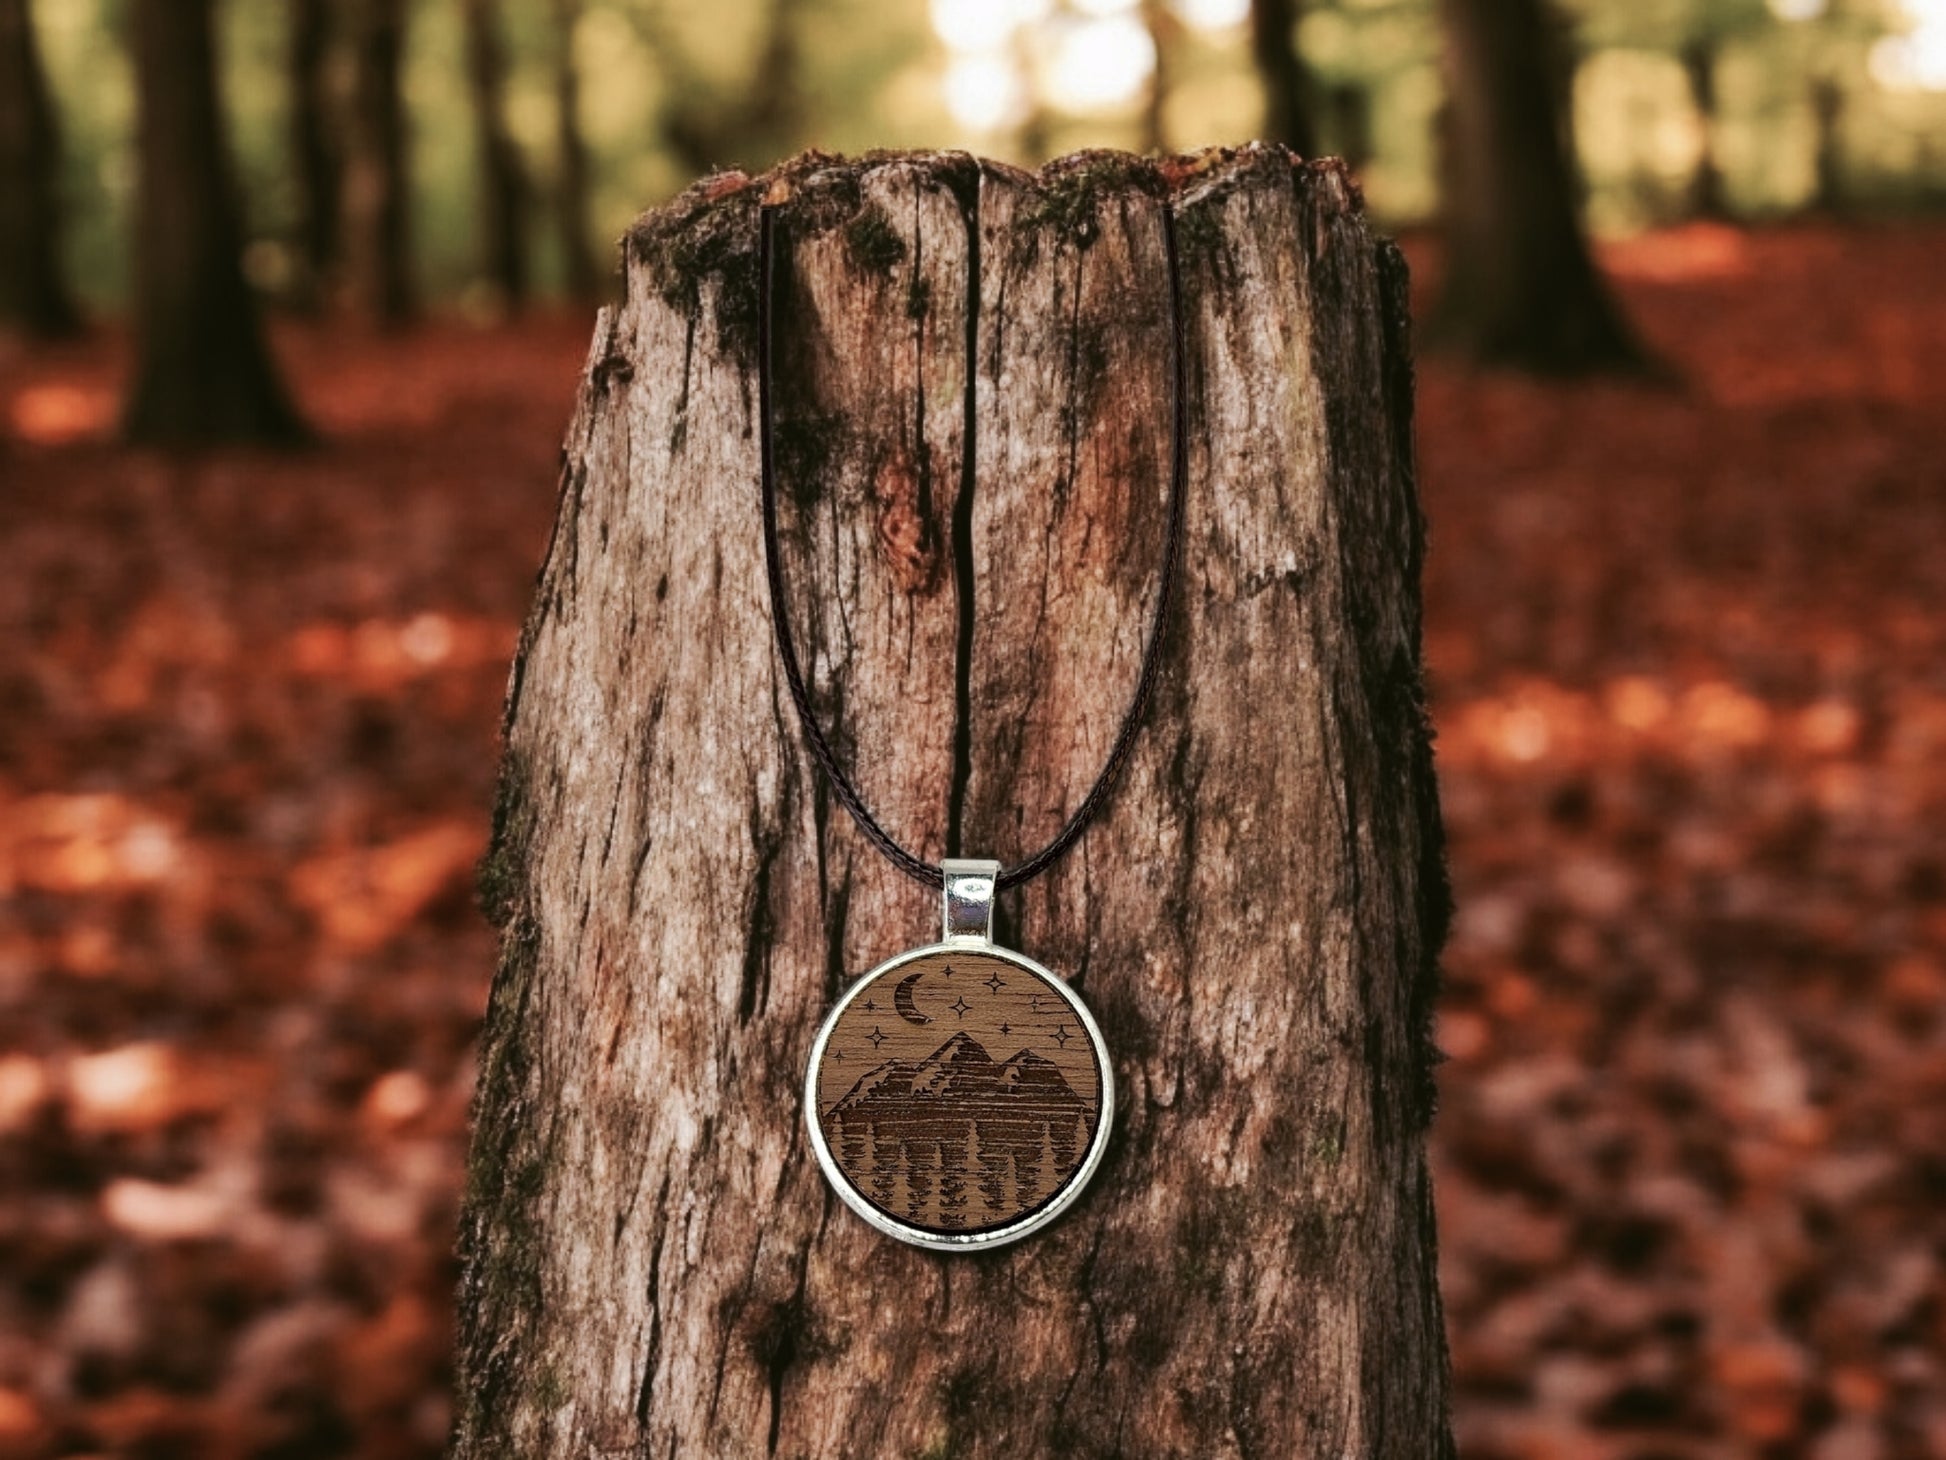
[969, 1123]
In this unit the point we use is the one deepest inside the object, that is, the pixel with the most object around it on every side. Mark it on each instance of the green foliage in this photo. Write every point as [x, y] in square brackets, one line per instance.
[670, 90]
[83, 45]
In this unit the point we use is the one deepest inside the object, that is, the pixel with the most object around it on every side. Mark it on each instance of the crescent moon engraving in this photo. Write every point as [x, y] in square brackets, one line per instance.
[902, 1000]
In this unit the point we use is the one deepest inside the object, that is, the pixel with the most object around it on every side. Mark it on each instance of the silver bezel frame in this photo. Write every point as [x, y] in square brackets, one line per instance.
[993, 1236]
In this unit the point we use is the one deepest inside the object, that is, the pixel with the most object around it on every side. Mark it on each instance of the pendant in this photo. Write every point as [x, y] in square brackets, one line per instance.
[959, 1096]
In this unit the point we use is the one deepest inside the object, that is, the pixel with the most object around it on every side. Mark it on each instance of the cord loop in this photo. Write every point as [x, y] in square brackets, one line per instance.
[915, 867]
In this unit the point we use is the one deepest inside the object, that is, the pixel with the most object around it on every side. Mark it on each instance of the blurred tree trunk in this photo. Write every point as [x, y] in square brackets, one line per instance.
[503, 183]
[1521, 287]
[1706, 183]
[1033, 138]
[708, 132]
[203, 373]
[778, 87]
[1290, 115]
[317, 157]
[571, 180]
[1348, 113]
[1165, 31]
[378, 199]
[1827, 116]
[652, 1263]
[34, 292]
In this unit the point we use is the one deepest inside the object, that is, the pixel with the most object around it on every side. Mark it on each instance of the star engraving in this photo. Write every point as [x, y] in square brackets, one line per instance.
[870, 1007]
[993, 981]
[877, 1036]
[1061, 1036]
[1006, 1029]
[959, 1007]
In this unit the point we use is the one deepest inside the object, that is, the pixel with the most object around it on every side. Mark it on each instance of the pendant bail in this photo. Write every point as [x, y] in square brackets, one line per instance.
[968, 883]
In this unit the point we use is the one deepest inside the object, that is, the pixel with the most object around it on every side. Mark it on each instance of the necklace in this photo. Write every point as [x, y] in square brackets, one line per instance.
[959, 1095]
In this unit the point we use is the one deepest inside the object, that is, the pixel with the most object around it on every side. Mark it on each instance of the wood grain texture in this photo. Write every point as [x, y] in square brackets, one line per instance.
[652, 1262]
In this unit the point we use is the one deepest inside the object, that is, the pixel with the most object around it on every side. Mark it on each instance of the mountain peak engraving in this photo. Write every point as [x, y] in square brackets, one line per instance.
[958, 1139]
[962, 1068]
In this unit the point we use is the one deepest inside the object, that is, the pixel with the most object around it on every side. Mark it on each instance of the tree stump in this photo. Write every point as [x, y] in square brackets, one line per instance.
[653, 1264]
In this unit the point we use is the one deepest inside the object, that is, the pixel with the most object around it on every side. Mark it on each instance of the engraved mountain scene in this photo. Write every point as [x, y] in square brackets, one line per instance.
[957, 1140]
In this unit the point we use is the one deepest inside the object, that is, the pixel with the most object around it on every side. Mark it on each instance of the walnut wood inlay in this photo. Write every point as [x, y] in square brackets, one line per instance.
[959, 1092]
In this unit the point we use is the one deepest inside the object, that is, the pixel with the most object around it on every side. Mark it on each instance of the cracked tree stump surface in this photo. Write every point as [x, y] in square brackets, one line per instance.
[653, 1264]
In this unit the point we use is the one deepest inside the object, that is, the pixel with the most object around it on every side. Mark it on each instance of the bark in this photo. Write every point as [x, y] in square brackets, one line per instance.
[1706, 183]
[1522, 288]
[571, 149]
[34, 292]
[1289, 114]
[503, 182]
[652, 1262]
[317, 158]
[203, 373]
[378, 194]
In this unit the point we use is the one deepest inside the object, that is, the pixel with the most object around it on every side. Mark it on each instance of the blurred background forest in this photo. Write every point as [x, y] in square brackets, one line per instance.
[1794, 104]
[1683, 306]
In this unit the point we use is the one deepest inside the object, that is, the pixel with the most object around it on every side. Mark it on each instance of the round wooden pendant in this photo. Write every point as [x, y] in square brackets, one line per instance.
[959, 1097]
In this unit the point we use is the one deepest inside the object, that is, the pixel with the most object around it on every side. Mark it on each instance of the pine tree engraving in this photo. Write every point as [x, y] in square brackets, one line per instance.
[960, 1128]
[992, 1166]
[954, 1169]
[921, 1167]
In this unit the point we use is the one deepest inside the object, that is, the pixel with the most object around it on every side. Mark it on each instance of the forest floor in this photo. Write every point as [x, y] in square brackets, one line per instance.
[1689, 679]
